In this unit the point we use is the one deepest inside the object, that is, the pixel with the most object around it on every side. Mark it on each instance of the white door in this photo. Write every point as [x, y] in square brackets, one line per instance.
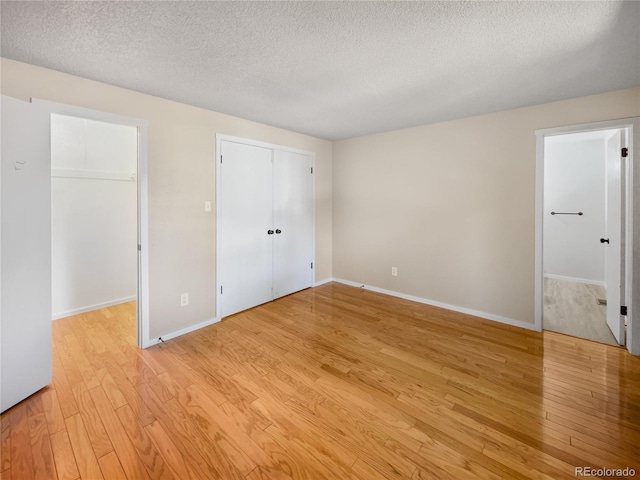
[293, 222]
[246, 227]
[613, 236]
[25, 325]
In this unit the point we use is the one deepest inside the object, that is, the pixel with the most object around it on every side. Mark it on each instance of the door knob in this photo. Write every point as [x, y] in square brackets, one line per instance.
[269, 232]
[278, 231]
[604, 240]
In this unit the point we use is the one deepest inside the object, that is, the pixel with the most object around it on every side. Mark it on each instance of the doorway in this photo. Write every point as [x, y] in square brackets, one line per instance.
[584, 231]
[101, 157]
[582, 235]
[93, 215]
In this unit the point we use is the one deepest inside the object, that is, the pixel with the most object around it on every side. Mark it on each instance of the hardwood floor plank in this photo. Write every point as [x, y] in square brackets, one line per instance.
[531, 462]
[286, 465]
[362, 446]
[92, 422]
[111, 468]
[194, 399]
[130, 392]
[171, 454]
[20, 447]
[80, 360]
[63, 355]
[63, 389]
[63, 454]
[129, 460]
[433, 473]
[85, 456]
[183, 436]
[231, 461]
[115, 396]
[147, 451]
[363, 418]
[5, 445]
[43, 462]
[317, 462]
[52, 410]
[425, 464]
[167, 356]
[289, 425]
[525, 438]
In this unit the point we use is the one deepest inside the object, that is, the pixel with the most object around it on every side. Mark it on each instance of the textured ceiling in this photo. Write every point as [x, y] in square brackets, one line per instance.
[336, 69]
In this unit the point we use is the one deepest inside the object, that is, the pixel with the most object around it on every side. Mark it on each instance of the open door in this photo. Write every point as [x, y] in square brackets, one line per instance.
[613, 241]
[25, 324]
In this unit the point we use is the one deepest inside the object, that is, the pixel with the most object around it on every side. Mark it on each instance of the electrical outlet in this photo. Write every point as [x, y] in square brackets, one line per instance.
[207, 206]
[394, 271]
[184, 299]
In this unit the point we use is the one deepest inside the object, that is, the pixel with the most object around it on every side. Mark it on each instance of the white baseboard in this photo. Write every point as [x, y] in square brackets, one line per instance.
[576, 280]
[177, 333]
[206, 323]
[455, 308]
[90, 308]
[468, 311]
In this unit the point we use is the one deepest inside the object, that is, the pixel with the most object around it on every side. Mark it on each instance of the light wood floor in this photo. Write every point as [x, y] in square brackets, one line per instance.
[330, 383]
[572, 308]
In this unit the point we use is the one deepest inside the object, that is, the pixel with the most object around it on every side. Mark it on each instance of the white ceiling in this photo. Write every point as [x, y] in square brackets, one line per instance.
[336, 69]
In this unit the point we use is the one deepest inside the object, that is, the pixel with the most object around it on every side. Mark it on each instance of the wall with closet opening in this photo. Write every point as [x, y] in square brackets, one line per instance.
[93, 214]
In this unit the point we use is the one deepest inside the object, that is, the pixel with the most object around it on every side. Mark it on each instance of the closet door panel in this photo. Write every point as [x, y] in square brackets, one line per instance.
[293, 218]
[246, 260]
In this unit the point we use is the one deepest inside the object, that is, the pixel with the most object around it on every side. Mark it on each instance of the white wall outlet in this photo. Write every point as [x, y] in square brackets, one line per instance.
[394, 271]
[184, 299]
[207, 206]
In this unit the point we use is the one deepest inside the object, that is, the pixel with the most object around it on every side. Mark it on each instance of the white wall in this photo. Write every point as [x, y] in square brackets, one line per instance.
[574, 181]
[452, 205]
[93, 220]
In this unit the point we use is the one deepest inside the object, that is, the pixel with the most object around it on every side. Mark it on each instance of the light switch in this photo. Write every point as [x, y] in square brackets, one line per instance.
[207, 206]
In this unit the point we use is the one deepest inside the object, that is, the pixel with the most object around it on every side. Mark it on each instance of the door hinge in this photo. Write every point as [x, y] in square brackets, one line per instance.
[139, 248]
[220, 289]
[312, 170]
[623, 310]
[311, 264]
[624, 152]
[220, 158]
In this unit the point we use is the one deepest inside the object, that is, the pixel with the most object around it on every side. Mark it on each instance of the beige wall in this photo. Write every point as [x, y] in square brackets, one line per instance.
[181, 177]
[452, 205]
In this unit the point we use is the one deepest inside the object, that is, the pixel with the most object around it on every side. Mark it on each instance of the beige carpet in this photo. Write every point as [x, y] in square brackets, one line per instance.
[572, 308]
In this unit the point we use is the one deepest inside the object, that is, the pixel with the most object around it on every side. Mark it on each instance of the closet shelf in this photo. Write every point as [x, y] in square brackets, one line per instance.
[93, 174]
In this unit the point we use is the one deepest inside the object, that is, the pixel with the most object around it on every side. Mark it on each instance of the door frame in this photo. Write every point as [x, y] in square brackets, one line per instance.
[220, 137]
[142, 300]
[632, 217]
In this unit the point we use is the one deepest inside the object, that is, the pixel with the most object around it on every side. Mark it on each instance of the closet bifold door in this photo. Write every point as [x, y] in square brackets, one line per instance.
[293, 222]
[246, 220]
